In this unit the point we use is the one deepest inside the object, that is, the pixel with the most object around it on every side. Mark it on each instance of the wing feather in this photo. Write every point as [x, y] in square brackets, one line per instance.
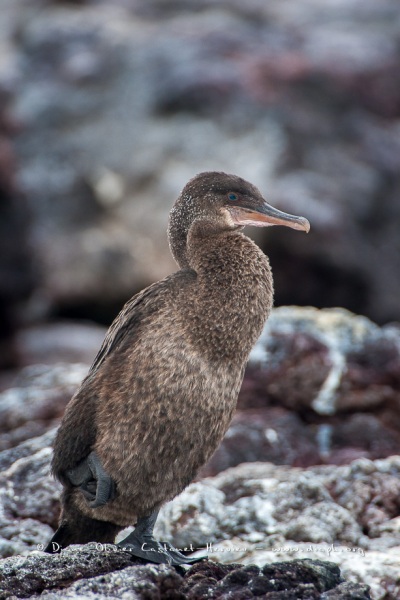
[77, 432]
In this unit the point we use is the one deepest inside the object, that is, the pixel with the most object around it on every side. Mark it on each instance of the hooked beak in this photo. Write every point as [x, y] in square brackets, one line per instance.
[266, 215]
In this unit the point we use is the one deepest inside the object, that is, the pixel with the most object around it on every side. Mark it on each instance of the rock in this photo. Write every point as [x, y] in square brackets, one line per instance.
[37, 400]
[259, 499]
[29, 489]
[262, 512]
[29, 496]
[255, 514]
[339, 361]
[62, 342]
[18, 537]
[138, 96]
[321, 386]
[24, 576]
[265, 434]
[371, 494]
[280, 581]
[26, 449]
[84, 572]
[150, 581]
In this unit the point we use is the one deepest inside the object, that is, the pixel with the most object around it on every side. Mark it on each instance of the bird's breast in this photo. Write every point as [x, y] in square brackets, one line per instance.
[229, 302]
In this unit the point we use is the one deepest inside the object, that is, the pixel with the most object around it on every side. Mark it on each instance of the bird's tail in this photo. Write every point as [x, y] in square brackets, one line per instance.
[77, 528]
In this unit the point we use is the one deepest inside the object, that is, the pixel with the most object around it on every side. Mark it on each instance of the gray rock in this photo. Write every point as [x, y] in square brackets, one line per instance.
[324, 523]
[20, 536]
[26, 449]
[258, 508]
[65, 342]
[256, 513]
[29, 497]
[150, 581]
[253, 514]
[346, 514]
[347, 591]
[259, 502]
[36, 400]
[82, 572]
[24, 576]
[27, 487]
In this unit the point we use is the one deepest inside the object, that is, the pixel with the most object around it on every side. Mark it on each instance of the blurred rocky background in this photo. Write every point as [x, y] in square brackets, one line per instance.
[106, 110]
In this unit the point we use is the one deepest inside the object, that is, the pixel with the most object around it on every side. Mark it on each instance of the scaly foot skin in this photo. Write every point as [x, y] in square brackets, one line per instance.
[179, 558]
[141, 543]
[148, 548]
[157, 552]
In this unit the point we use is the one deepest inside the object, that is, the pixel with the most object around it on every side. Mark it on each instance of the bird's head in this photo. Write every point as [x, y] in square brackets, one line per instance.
[222, 202]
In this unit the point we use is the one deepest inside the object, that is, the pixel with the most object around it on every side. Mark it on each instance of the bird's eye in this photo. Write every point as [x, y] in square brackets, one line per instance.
[232, 197]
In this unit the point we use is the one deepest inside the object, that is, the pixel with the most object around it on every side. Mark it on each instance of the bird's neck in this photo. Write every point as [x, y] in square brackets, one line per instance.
[233, 295]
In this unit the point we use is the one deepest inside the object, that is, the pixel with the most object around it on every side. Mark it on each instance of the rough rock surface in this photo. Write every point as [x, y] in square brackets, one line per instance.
[36, 400]
[256, 513]
[118, 104]
[253, 514]
[89, 572]
[321, 386]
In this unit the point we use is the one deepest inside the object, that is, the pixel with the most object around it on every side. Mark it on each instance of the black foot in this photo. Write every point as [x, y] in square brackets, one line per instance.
[179, 558]
[157, 552]
[141, 543]
[95, 484]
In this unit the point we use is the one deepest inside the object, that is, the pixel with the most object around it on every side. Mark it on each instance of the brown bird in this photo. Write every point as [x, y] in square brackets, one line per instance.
[162, 390]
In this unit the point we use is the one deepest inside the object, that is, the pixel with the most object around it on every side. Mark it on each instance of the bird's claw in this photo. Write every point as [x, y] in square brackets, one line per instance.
[95, 484]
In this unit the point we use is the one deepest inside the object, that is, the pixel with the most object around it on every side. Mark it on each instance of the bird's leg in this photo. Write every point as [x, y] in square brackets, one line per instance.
[142, 543]
[95, 484]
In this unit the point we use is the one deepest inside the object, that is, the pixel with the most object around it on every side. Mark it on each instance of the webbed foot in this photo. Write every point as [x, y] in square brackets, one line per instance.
[141, 543]
[93, 481]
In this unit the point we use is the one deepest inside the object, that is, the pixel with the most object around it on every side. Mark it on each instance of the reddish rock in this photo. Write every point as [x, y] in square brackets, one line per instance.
[370, 493]
[363, 434]
[297, 366]
[270, 434]
[320, 387]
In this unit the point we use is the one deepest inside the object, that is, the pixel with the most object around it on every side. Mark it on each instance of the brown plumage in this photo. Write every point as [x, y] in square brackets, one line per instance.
[162, 390]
